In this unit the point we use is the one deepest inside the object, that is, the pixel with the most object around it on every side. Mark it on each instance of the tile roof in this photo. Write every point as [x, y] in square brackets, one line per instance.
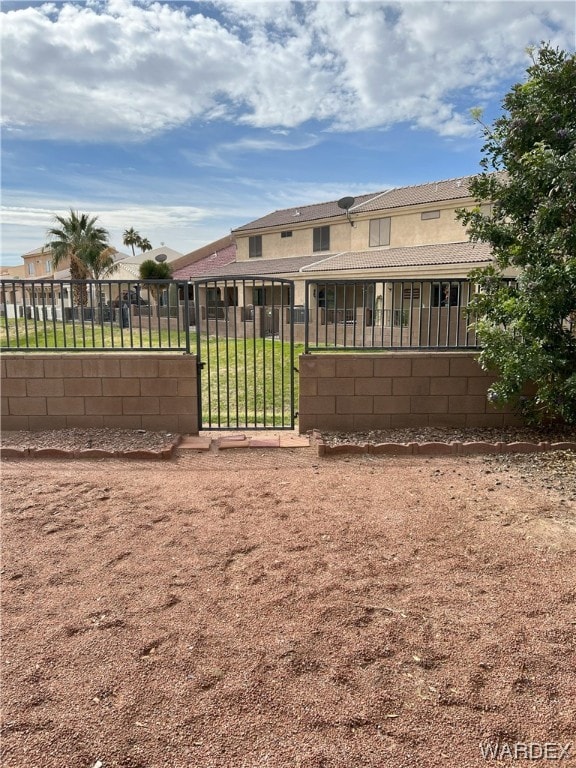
[138, 258]
[384, 258]
[262, 267]
[419, 194]
[408, 256]
[208, 250]
[37, 251]
[206, 266]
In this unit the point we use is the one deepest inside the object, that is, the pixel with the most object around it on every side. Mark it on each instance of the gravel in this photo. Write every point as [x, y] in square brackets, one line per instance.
[78, 439]
[555, 470]
[446, 435]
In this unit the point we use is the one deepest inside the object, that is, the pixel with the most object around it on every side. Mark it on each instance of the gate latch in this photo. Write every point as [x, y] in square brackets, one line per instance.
[200, 365]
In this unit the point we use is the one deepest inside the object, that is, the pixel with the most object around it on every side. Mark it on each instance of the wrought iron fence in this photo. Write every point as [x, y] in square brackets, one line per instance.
[108, 315]
[389, 314]
[101, 315]
[393, 314]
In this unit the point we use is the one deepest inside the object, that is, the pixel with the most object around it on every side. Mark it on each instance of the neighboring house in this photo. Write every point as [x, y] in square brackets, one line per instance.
[29, 283]
[38, 264]
[405, 249]
[11, 292]
[128, 266]
[408, 234]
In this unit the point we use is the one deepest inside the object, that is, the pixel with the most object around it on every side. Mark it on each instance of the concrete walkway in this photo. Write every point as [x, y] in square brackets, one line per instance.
[249, 438]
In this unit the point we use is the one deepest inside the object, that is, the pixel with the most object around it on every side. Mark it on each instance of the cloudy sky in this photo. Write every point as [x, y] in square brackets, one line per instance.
[186, 119]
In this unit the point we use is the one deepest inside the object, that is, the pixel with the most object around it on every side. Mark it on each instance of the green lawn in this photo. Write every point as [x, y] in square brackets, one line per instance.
[248, 382]
[79, 336]
[245, 382]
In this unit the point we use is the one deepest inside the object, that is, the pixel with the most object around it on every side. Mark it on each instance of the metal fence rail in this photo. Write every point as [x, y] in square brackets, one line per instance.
[389, 314]
[100, 315]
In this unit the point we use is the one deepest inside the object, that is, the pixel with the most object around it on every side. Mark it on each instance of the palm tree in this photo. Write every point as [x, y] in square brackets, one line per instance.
[131, 238]
[144, 244]
[155, 270]
[79, 240]
[103, 264]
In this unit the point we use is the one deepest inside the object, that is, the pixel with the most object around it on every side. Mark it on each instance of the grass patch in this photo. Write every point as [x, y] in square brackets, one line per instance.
[245, 382]
[248, 382]
[79, 336]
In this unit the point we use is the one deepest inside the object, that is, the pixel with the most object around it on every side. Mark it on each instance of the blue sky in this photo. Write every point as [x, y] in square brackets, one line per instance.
[187, 119]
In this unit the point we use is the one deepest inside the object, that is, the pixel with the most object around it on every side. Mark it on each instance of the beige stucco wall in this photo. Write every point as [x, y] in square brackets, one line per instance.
[40, 262]
[128, 390]
[396, 389]
[407, 229]
[274, 246]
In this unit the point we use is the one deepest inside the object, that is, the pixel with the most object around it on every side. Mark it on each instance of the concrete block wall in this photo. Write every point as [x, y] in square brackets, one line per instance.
[396, 389]
[130, 390]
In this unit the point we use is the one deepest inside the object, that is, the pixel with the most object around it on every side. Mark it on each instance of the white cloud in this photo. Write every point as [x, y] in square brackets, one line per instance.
[124, 71]
[25, 226]
[220, 155]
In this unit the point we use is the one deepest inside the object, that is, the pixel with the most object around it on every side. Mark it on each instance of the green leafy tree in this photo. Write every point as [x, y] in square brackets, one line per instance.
[131, 238]
[527, 327]
[77, 240]
[155, 270]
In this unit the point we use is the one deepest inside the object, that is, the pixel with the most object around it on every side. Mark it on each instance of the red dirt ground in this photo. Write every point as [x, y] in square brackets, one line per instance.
[251, 608]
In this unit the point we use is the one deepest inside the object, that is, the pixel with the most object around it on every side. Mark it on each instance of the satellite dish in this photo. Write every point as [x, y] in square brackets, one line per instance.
[161, 257]
[345, 203]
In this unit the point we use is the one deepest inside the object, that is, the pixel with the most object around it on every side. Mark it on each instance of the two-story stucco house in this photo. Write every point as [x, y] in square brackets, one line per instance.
[410, 235]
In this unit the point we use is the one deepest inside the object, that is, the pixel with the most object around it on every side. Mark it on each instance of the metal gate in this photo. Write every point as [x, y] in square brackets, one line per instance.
[245, 352]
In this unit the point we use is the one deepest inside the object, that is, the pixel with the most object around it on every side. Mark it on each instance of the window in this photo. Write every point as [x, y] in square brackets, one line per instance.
[380, 231]
[231, 296]
[321, 239]
[286, 233]
[326, 296]
[31, 269]
[255, 246]
[48, 267]
[425, 215]
[259, 297]
[445, 294]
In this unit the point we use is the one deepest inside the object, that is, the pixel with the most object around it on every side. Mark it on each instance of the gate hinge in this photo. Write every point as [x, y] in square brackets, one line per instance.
[200, 365]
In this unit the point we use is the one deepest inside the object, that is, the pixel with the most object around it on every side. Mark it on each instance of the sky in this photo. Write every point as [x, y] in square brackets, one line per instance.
[185, 119]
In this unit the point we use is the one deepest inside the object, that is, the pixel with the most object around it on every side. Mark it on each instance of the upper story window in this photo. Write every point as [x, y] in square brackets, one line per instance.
[425, 215]
[321, 239]
[31, 270]
[286, 233]
[255, 246]
[48, 266]
[380, 231]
